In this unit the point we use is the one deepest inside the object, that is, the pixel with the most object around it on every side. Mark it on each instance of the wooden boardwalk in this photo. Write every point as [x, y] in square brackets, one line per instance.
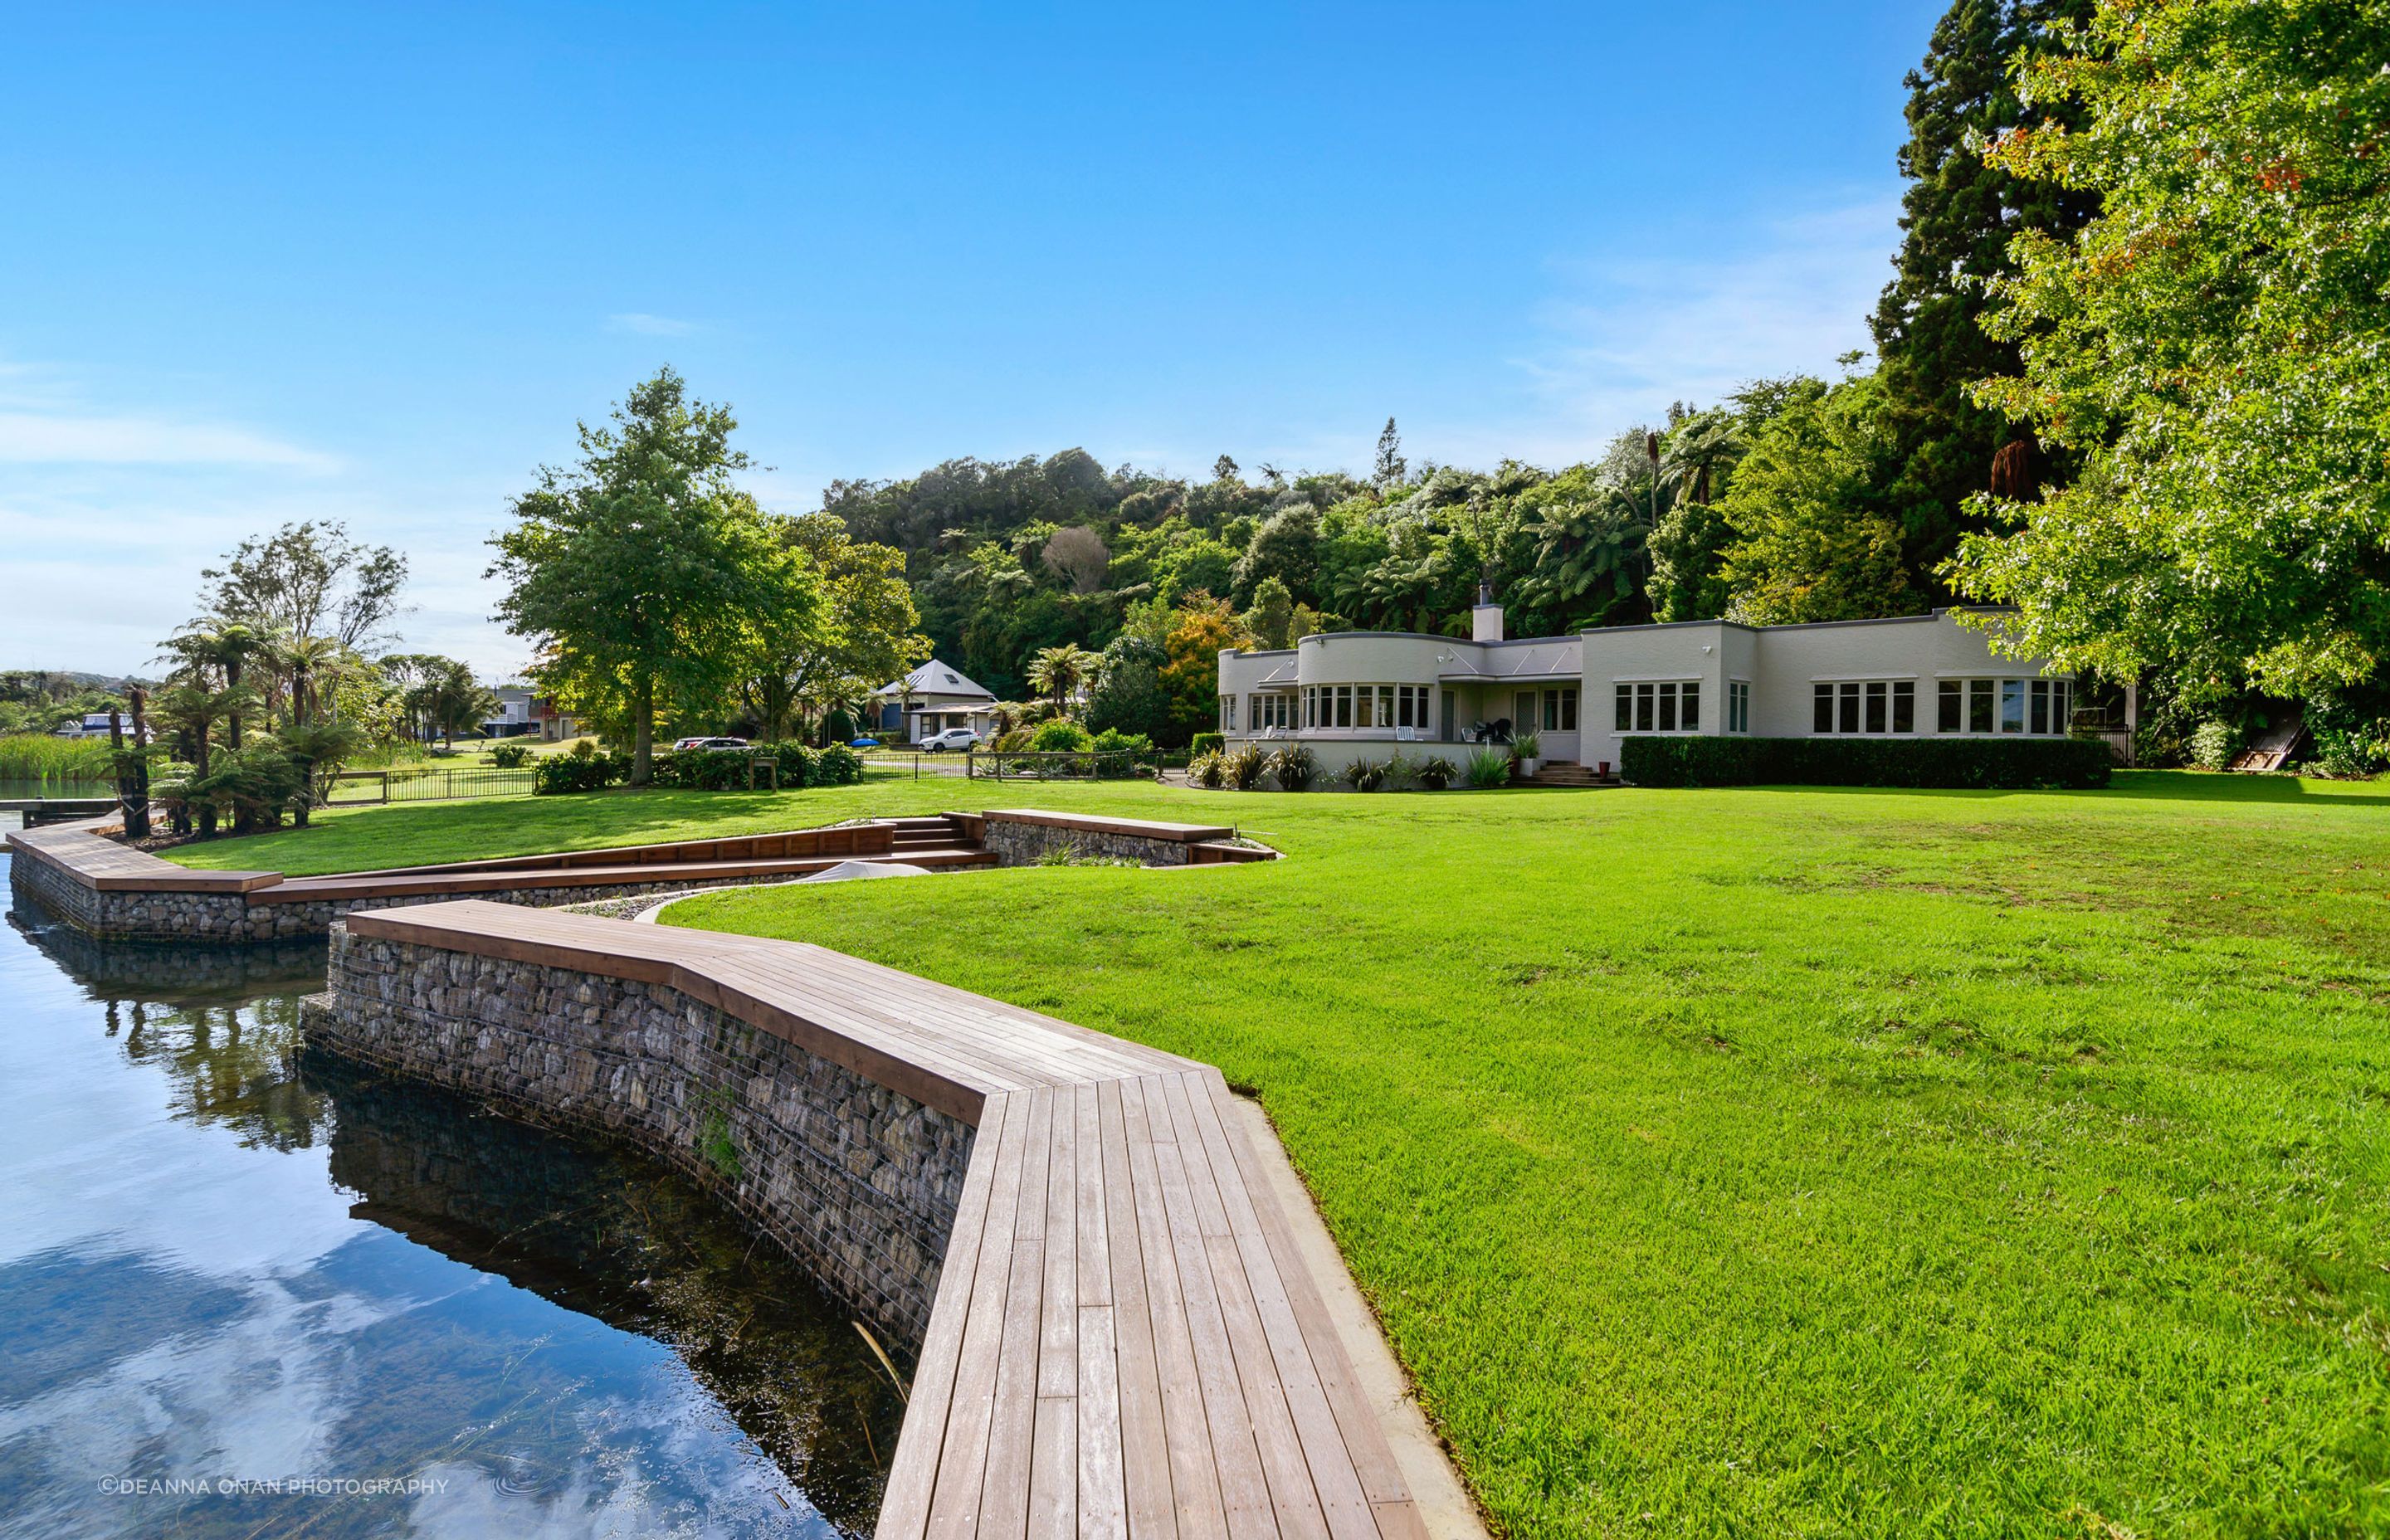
[1125, 1341]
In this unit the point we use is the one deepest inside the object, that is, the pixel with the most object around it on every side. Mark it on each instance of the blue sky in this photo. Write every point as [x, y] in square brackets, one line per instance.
[266, 263]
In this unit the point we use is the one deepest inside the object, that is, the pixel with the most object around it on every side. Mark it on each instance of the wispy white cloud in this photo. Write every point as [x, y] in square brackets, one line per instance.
[1628, 337]
[641, 324]
[60, 438]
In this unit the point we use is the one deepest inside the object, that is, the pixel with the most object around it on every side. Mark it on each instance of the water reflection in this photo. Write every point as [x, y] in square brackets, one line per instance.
[221, 1259]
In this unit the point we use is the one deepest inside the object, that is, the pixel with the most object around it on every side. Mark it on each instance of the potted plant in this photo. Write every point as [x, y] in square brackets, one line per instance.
[1530, 751]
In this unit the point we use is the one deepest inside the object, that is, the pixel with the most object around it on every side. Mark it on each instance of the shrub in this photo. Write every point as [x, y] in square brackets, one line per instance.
[1206, 743]
[1401, 772]
[1294, 767]
[584, 769]
[1436, 772]
[2215, 743]
[1490, 767]
[1111, 741]
[1527, 745]
[1206, 770]
[2352, 755]
[510, 756]
[1363, 774]
[1244, 767]
[837, 726]
[836, 766]
[1981, 763]
[1060, 738]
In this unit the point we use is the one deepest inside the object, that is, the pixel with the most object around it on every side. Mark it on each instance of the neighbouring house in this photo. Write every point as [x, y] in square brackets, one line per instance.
[95, 724]
[553, 724]
[1356, 694]
[513, 717]
[928, 701]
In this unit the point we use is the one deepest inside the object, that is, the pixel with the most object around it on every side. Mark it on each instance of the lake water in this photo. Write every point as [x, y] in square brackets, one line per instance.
[225, 1261]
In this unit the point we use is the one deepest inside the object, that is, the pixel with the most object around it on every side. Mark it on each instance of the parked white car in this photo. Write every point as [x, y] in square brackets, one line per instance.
[953, 737]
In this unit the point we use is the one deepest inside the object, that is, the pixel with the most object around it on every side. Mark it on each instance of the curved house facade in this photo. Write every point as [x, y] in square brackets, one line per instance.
[1370, 694]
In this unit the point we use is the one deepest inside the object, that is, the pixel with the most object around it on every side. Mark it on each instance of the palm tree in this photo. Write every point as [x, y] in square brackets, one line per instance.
[1058, 671]
[314, 662]
[193, 710]
[223, 647]
[1700, 451]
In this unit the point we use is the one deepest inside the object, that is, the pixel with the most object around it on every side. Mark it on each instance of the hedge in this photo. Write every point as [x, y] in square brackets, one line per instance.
[1956, 763]
[702, 769]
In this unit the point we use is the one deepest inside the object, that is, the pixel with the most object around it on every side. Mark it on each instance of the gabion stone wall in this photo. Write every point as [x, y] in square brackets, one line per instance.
[857, 1182]
[1020, 844]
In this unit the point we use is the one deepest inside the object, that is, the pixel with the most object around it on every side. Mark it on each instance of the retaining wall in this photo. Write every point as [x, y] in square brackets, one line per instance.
[237, 918]
[855, 1180]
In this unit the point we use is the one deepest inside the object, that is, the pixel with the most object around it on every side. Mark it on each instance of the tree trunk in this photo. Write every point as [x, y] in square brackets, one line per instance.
[232, 731]
[208, 809]
[643, 729]
[137, 805]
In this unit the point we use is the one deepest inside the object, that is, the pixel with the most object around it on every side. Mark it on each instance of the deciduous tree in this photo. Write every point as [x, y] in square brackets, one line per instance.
[2212, 344]
[640, 570]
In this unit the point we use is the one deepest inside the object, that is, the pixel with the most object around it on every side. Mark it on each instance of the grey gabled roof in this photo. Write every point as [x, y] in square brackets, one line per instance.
[934, 678]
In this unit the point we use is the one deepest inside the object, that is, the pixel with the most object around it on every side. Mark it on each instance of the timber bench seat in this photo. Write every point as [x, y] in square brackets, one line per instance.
[1125, 1338]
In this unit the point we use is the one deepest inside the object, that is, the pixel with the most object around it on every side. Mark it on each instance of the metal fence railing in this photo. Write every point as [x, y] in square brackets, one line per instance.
[1080, 765]
[441, 784]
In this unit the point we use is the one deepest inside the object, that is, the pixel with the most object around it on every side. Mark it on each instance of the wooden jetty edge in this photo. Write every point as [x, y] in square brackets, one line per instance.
[1125, 1338]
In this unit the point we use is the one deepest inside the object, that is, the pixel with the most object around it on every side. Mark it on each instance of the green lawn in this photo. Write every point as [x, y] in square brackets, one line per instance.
[1754, 1161]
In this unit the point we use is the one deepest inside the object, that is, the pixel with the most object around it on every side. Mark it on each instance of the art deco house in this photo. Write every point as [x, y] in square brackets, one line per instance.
[1352, 694]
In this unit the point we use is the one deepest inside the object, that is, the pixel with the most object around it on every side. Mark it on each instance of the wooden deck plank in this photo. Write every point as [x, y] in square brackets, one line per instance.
[1364, 1441]
[1201, 1507]
[1143, 1443]
[1319, 1438]
[1244, 1488]
[1058, 1337]
[1294, 1495]
[1004, 1506]
[912, 1473]
[954, 1495]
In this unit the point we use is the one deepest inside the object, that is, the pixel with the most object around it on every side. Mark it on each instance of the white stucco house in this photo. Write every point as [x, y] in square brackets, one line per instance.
[929, 701]
[1355, 694]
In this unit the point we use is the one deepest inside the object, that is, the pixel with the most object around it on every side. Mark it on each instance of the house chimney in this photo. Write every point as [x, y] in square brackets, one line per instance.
[1485, 621]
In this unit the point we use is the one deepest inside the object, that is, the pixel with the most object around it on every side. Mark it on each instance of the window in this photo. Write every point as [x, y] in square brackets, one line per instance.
[1560, 710]
[2050, 706]
[2037, 706]
[1385, 705]
[1344, 706]
[1738, 706]
[1412, 706]
[1271, 710]
[1227, 713]
[1863, 706]
[1664, 708]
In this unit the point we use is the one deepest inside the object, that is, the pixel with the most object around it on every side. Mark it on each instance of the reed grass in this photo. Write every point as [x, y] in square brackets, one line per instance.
[39, 757]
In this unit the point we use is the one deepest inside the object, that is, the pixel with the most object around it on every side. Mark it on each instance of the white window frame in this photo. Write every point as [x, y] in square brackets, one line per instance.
[1654, 701]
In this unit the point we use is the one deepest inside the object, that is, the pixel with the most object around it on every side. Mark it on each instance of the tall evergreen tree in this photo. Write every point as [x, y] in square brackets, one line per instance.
[1959, 215]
